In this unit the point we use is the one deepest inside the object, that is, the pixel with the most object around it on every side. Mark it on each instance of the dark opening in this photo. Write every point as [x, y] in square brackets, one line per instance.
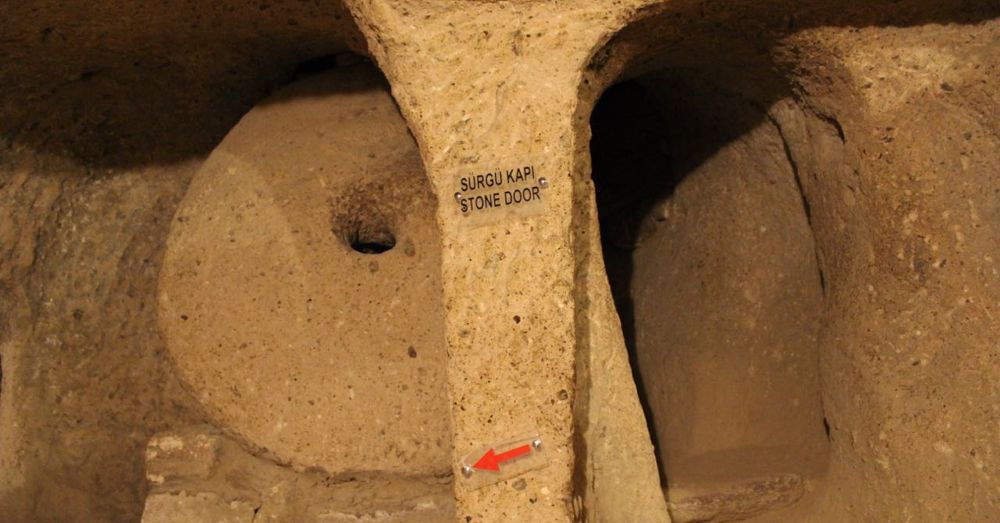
[358, 221]
[371, 239]
[707, 245]
[324, 63]
[631, 171]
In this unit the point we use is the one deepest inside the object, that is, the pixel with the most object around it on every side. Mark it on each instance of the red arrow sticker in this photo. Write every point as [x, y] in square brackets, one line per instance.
[492, 460]
[500, 461]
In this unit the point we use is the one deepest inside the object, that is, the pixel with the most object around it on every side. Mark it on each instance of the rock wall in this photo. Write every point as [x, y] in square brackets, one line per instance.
[805, 261]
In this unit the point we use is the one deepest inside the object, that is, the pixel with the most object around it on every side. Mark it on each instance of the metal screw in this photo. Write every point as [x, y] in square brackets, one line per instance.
[466, 470]
[537, 442]
[543, 183]
[458, 197]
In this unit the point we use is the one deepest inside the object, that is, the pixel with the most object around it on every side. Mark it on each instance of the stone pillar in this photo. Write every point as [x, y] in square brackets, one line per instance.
[490, 87]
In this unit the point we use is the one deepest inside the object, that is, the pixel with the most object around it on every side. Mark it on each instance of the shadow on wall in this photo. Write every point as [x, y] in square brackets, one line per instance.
[94, 378]
[713, 270]
[102, 128]
[113, 86]
[707, 228]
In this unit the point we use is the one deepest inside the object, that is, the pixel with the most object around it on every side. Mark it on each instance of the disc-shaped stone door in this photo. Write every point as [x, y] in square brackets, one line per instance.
[300, 295]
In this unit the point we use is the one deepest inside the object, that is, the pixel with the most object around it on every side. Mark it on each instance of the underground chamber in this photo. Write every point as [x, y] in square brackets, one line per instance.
[287, 293]
[747, 236]
[758, 282]
[237, 336]
[708, 248]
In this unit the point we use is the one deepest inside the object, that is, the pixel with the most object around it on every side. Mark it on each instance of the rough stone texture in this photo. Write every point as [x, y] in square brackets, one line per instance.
[84, 380]
[106, 112]
[887, 110]
[903, 341]
[190, 484]
[505, 377]
[290, 337]
[181, 454]
[735, 502]
[204, 506]
[615, 468]
[905, 218]
[726, 298]
[119, 84]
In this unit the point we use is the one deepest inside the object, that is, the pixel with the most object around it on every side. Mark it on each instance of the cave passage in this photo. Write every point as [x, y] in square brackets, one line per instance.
[712, 267]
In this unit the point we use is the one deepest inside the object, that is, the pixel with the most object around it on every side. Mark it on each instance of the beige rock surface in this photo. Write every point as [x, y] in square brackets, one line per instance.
[511, 354]
[292, 337]
[203, 506]
[886, 114]
[742, 500]
[199, 474]
[882, 214]
[726, 298]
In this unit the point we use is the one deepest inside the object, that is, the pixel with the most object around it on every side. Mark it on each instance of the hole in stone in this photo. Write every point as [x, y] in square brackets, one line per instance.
[148, 110]
[369, 238]
[316, 65]
[323, 63]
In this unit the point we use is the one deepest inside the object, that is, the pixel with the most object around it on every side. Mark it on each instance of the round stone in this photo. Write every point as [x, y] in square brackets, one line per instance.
[300, 295]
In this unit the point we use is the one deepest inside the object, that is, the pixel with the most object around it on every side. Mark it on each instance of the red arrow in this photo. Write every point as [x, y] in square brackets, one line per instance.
[492, 461]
